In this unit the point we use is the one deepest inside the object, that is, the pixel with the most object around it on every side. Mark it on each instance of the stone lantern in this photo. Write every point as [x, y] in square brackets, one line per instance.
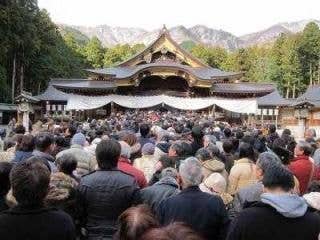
[25, 103]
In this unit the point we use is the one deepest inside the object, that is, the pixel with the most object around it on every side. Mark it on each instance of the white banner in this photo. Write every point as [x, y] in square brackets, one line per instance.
[78, 102]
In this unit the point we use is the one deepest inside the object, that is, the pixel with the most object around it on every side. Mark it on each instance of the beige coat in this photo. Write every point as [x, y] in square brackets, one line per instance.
[241, 174]
[146, 164]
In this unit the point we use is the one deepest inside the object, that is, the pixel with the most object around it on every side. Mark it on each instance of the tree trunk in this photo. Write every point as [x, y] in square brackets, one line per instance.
[310, 72]
[39, 88]
[287, 93]
[21, 77]
[294, 91]
[13, 86]
[319, 71]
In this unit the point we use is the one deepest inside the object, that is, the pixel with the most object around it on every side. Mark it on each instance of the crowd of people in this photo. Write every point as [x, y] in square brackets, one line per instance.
[157, 175]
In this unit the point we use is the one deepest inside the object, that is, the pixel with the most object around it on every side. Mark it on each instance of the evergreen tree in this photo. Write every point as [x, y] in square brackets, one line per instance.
[94, 52]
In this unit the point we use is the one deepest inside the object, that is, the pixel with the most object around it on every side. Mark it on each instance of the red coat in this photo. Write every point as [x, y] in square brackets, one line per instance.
[124, 165]
[302, 167]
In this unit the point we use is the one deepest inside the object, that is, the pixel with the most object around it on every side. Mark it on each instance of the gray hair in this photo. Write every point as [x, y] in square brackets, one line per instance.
[267, 160]
[313, 132]
[306, 147]
[125, 149]
[210, 138]
[178, 148]
[169, 172]
[191, 172]
[203, 154]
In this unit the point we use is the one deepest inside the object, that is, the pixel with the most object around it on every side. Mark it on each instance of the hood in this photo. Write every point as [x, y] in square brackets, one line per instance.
[288, 205]
[60, 188]
[46, 156]
[214, 165]
[168, 181]
[313, 200]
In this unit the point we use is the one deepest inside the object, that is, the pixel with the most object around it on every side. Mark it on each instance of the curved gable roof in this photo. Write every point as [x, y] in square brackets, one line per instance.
[164, 34]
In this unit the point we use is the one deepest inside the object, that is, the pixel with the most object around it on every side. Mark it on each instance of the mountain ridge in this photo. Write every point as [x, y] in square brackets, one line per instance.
[111, 35]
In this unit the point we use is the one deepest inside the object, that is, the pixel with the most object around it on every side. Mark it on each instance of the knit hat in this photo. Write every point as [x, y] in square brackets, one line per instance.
[216, 182]
[164, 147]
[78, 139]
[148, 149]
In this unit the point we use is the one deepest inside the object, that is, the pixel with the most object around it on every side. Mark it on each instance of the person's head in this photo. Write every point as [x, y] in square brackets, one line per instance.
[8, 143]
[227, 132]
[66, 163]
[71, 130]
[227, 146]
[165, 162]
[144, 130]
[173, 231]
[3, 133]
[169, 172]
[176, 149]
[213, 150]
[246, 151]
[239, 134]
[314, 186]
[27, 143]
[197, 133]
[134, 222]
[17, 138]
[19, 129]
[60, 141]
[279, 148]
[310, 133]
[190, 172]
[79, 139]
[286, 132]
[107, 154]
[44, 142]
[130, 138]
[278, 179]
[265, 161]
[272, 128]
[148, 149]
[303, 148]
[187, 149]
[30, 182]
[203, 154]
[125, 150]
[5, 169]
[209, 139]
[216, 183]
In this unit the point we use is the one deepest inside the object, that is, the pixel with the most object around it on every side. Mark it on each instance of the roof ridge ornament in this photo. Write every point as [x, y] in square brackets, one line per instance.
[163, 30]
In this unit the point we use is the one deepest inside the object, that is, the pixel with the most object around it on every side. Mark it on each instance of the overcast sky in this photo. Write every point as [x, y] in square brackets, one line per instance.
[235, 16]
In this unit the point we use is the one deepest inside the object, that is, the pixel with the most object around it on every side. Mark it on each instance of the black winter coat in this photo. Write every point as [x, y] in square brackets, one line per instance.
[204, 212]
[155, 194]
[36, 224]
[263, 222]
[103, 196]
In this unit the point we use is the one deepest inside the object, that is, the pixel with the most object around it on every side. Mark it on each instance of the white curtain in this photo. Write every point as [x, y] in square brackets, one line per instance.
[77, 102]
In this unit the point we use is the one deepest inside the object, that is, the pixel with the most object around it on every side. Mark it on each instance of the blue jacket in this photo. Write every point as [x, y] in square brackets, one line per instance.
[204, 212]
[21, 156]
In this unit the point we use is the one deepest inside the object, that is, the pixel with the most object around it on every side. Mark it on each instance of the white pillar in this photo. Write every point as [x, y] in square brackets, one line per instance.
[25, 120]
[301, 128]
